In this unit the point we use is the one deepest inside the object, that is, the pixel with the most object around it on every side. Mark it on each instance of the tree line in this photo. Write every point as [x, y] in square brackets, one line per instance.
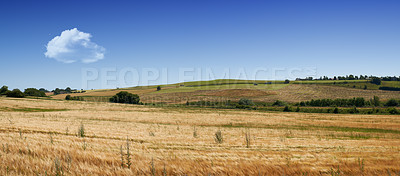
[19, 94]
[353, 77]
[33, 92]
[353, 102]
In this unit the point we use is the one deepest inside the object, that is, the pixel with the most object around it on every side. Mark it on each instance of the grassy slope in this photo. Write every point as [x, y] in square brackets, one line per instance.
[257, 90]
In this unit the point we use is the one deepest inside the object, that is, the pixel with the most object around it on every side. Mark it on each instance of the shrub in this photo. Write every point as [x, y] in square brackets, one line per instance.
[392, 102]
[158, 88]
[286, 81]
[15, 93]
[69, 97]
[298, 109]
[34, 92]
[279, 103]
[125, 97]
[245, 101]
[336, 110]
[354, 110]
[287, 109]
[376, 81]
[358, 102]
[393, 111]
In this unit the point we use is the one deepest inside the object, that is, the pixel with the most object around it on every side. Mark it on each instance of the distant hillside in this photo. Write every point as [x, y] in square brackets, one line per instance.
[263, 91]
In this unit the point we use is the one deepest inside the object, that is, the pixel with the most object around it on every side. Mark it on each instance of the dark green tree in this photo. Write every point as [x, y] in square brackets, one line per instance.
[68, 97]
[57, 91]
[336, 110]
[15, 93]
[43, 90]
[376, 80]
[359, 102]
[3, 90]
[287, 81]
[68, 90]
[351, 77]
[34, 92]
[158, 88]
[392, 102]
[125, 97]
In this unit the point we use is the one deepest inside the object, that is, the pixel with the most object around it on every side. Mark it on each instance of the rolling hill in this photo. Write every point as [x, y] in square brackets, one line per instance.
[261, 91]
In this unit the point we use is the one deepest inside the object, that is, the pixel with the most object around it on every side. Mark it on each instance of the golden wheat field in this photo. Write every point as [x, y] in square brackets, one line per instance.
[50, 137]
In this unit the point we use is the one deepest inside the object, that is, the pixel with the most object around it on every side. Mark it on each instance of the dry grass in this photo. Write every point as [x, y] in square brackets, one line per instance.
[39, 143]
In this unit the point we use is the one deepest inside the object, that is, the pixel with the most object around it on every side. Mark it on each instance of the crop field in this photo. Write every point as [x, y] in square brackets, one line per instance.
[49, 137]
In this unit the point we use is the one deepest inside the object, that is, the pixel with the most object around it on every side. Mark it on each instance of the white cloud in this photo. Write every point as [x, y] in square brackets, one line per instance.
[72, 46]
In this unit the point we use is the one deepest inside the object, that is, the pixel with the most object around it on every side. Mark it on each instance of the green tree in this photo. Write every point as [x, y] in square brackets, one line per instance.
[57, 91]
[3, 90]
[68, 97]
[359, 102]
[336, 110]
[351, 77]
[158, 88]
[125, 97]
[392, 102]
[15, 93]
[287, 81]
[68, 90]
[34, 92]
[393, 111]
[43, 90]
[376, 80]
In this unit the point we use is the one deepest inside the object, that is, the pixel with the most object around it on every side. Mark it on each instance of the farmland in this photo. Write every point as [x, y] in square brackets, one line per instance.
[260, 91]
[49, 137]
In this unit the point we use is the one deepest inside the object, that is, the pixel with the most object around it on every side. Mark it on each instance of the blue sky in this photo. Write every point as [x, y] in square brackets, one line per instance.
[335, 37]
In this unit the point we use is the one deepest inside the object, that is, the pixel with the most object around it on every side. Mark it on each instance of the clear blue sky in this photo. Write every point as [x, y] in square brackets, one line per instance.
[336, 37]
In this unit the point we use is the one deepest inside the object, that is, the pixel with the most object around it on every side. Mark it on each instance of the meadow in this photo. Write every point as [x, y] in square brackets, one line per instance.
[50, 137]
